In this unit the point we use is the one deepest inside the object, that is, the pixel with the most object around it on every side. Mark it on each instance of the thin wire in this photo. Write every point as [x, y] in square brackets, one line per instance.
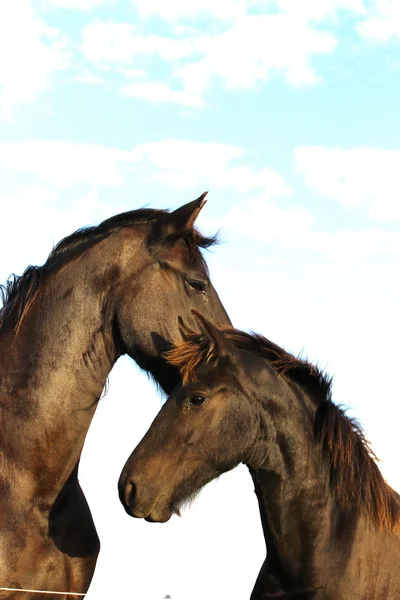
[4, 589]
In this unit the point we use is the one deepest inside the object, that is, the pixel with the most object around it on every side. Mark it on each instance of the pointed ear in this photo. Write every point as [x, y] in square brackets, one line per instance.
[185, 330]
[183, 218]
[178, 221]
[220, 346]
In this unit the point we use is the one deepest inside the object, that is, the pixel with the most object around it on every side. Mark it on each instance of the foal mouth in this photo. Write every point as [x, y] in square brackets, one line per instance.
[158, 515]
[156, 512]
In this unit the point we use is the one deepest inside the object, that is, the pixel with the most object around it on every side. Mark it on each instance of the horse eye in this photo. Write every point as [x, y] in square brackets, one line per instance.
[197, 285]
[197, 399]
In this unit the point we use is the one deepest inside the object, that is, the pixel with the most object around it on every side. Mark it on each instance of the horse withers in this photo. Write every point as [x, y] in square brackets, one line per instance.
[104, 291]
[330, 521]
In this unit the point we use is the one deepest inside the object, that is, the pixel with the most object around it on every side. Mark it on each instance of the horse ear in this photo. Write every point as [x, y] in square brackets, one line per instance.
[220, 345]
[183, 218]
[178, 221]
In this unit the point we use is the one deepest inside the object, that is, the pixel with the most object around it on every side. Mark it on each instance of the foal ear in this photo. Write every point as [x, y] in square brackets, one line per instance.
[185, 330]
[178, 221]
[220, 345]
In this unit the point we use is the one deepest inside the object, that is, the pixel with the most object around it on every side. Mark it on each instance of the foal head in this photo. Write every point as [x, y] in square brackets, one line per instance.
[245, 399]
[207, 426]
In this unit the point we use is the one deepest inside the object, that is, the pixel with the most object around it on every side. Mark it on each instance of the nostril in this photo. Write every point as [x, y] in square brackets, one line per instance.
[130, 493]
[121, 489]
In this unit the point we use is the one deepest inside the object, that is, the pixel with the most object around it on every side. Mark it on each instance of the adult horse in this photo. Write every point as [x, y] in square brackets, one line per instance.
[104, 291]
[331, 523]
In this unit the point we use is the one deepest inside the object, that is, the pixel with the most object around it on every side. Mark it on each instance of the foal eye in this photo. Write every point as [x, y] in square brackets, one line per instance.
[197, 285]
[197, 399]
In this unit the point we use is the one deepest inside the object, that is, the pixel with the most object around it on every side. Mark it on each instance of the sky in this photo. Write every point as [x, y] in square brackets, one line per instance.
[287, 112]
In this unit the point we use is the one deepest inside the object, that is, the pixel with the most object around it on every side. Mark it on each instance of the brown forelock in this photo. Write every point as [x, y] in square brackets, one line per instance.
[189, 354]
[355, 478]
[19, 292]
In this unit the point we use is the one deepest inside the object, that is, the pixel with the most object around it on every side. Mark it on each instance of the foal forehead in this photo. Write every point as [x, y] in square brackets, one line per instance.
[213, 376]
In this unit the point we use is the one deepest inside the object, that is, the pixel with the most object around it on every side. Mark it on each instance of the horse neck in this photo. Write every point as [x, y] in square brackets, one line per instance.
[291, 492]
[54, 365]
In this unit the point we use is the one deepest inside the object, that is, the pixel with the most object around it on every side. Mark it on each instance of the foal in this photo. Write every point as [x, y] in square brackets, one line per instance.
[331, 523]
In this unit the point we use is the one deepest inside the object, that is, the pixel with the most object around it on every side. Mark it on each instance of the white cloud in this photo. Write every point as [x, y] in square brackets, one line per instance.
[319, 10]
[255, 48]
[177, 164]
[63, 164]
[109, 42]
[263, 219]
[90, 78]
[159, 91]
[345, 245]
[357, 176]
[382, 22]
[132, 74]
[228, 10]
[177, 9]
[364, 177]
[181, 163]
[188, 156]
[249, 49]
[43, 219]
[78, 4]
[119, 42]
[30, 51]
[267, 219]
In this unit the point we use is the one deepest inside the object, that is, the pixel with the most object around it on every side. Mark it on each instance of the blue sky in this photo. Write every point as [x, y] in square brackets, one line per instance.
[287, 112]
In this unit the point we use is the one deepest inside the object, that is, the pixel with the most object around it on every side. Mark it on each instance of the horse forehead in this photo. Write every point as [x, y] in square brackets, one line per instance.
[180, 254]
[128, 239]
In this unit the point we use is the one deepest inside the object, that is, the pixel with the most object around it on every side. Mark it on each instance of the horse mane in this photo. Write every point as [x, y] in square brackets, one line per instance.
[354, 477]
[19, 292]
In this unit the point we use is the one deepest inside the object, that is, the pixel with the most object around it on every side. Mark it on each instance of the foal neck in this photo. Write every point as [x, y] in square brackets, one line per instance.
[292, 495]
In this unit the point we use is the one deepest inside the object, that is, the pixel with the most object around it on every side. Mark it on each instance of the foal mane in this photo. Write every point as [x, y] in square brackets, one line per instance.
[19, 292]
[354, 477]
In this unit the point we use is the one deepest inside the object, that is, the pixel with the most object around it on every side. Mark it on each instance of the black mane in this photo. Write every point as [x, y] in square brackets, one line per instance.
[298, 370]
